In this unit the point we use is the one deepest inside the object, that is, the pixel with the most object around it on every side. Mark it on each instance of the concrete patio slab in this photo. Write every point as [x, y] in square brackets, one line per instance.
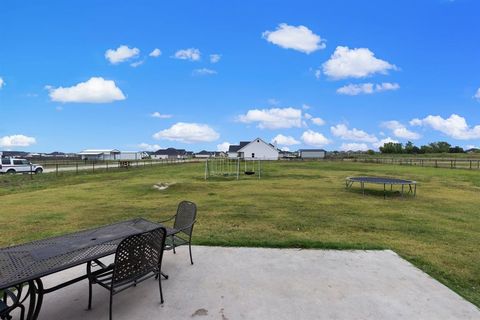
[255, 283]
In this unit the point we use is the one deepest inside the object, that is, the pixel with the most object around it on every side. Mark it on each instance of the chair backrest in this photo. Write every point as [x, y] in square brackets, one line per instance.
[138, 255]
[186, 215]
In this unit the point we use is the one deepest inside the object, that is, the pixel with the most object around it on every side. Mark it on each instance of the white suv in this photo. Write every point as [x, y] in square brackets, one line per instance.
[14, 165]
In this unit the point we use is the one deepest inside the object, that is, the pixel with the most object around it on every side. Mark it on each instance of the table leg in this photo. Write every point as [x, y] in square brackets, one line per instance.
[39, 292]
[35, 290]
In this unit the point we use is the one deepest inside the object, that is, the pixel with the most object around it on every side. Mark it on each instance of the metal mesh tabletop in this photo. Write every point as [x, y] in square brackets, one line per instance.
[36, 259]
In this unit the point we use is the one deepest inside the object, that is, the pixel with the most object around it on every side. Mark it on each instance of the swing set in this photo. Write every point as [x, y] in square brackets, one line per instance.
[225, 167]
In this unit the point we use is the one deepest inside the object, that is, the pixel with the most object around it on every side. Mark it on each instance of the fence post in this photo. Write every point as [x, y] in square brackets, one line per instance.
[31, 172]
[56, 169]
[93, 166]
[436, 164]
[107, 165]
[76, 167]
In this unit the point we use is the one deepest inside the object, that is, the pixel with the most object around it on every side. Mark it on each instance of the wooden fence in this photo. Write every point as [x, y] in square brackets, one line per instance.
[426, 162]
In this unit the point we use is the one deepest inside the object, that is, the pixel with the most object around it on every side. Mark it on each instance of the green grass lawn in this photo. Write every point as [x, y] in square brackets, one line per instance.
[295, 204]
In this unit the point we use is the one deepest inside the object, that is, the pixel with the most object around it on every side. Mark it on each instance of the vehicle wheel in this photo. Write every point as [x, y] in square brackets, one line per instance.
[38, 170]
[11, 171]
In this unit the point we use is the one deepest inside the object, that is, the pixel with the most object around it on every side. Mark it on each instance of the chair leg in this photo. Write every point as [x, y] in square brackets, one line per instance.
[190, 250]
[173, 244]
[160, 287]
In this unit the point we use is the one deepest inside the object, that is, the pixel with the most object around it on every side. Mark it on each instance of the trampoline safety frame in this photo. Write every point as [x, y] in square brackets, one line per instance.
[412, 185]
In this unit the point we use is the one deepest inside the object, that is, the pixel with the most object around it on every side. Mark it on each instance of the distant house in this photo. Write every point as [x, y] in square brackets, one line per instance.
[312, 153]
[13, 154]
[472, 150]
[171, 153]
[110, 154]
[209, 154]
[254, 150]
[99, 154]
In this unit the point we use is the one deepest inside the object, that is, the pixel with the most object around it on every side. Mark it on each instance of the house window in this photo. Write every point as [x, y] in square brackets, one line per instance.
[253, 155]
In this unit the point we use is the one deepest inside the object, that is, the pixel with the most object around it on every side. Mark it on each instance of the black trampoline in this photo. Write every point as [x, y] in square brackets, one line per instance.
[412, 185]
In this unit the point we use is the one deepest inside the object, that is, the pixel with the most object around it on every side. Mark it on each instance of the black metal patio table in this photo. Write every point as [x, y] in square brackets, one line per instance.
[24, 265]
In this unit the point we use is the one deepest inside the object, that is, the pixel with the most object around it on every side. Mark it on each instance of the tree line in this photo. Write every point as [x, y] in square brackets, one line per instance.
[410, 148]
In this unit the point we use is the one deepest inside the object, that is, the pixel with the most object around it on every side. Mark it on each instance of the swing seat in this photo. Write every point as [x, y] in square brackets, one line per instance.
[249, 173]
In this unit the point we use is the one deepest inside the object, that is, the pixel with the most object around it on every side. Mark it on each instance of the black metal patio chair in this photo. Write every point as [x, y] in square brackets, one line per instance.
[181, 233]
[138, 258]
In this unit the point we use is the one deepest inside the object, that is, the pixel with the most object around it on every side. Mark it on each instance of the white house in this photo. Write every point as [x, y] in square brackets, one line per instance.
[254, 150]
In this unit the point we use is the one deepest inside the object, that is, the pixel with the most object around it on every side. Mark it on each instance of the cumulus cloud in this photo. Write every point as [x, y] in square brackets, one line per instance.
[203, 72]
[280, 139]
[342, 131]
[214, 58]
[94, 90]
[121, 54]
[354, 63]
[191, 54]
[17, 140]
[286, 149]
[148, 147]
[2, 83]
[223, 146]
[367, 88]
[274, 118]
[317, 121]
[400, 131]
[380, 143]
[315, 139]
[159, 115]
[188, 133]
[454, 126]
[298, 38]
[476, 96]
[354, 147]
[155, 53]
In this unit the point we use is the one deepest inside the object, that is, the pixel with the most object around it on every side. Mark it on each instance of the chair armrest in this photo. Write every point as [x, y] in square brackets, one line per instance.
[171, 218]
[186, 227]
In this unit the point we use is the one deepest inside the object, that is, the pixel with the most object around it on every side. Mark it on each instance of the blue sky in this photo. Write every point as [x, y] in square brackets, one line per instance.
[337, 75]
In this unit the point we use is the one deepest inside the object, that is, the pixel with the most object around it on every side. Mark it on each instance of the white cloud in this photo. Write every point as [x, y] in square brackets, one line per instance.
[305, 106]
[354, 147]
[188, 133]
[121, 54]
[298, 38]
[307, 116]
[367, 88]
[223, 146]
[476, 96]
[159, 115]
[137, 63]
[191, 54]
[342, 131]
[313, 138]
[380, 143]
[274, 118]
[354, 63]
[400, 131]
[148, 147]
[203, 72]
[2, 83]
[286, 149]
[455, 126]
[94, 90]
[214, 58]
[16, 140]
[280, 139]
[155, 53]
[273, 102]
[318, 73]
[318, 121]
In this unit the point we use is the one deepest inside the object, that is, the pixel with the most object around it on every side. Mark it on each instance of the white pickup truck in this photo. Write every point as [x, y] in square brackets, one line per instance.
[14, 165]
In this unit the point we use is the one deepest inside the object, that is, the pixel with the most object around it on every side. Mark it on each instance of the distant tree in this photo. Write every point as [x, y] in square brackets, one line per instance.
[370, 152]
[456, 149]
[392, 148]
[440, 147]
[426, 149]
[409, 147]
[416, 150]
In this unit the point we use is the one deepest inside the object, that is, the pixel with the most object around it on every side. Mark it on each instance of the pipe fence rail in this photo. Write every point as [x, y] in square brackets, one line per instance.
[471, 164]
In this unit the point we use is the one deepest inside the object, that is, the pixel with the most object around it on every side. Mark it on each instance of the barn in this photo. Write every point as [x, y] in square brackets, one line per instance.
[254, 150]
